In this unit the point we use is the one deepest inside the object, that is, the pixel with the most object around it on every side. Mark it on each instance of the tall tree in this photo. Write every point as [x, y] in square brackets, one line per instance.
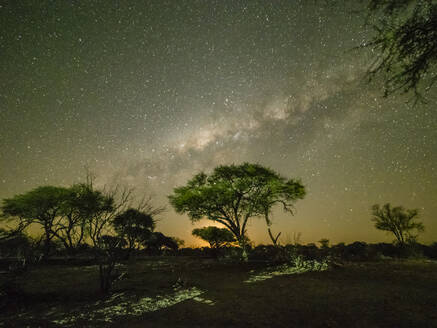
[405, 42]
[75, 214]
[397, 220]
[232, 194]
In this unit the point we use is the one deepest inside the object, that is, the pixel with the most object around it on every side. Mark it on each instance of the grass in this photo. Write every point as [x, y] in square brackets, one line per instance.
[372, 294]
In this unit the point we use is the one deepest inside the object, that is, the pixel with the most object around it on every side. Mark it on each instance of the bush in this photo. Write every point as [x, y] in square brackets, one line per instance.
[430, 251]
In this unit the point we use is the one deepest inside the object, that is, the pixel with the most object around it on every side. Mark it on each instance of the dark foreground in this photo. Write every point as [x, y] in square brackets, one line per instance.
[373, 294]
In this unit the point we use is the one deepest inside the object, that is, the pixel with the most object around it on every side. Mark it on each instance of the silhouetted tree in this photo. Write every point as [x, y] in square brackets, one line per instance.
[324, 243]
[157, 241]
[180, 242]
[216, 237]
[397, 220]
[80, 205]
[98, 209]
[15, 243]
[66, 215]
[110, 252]
[134, 227]
[41, 206]
[233, 194]
[405, 42]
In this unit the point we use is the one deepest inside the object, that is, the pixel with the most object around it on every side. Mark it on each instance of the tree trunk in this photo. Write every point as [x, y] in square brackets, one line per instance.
[46, 244]
[243, 245]
[105, 277]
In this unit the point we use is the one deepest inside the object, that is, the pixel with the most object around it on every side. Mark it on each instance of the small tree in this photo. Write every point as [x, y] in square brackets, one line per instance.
[134, 227]
[324, 243]
[397, 220]
[98, 209]
[156, 241]
[180, 242]
[216, 237]
[95, 210]
[233, 194]
[110, 249]
[15, 243]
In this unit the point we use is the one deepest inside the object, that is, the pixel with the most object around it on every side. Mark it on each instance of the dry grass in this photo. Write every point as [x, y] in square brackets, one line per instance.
[374, 294]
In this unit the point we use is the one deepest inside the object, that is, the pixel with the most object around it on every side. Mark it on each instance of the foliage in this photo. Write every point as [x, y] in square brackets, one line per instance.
[180, 242]
[216, 237]
[397, 220]
[271, 253]
[158, 241]
[14, 244]
[65, 214]
[42, 206]
[324, 243]
[134, 227]
[406, 43]
[232, 194]
[82, 212]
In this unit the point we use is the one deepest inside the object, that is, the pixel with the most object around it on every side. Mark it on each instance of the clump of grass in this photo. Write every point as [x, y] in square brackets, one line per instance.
[121, 305]
[296, 266]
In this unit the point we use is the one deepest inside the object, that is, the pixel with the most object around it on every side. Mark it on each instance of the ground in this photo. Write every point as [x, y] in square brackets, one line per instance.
[188, 292]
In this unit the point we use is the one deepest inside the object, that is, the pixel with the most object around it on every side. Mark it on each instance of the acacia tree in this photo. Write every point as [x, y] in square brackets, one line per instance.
[66, 214]
[41, 206]
[134, 227]
[233, 194]
[397, 220]
[156, 241]
[80, 204]
[216, 237]
[405, 41]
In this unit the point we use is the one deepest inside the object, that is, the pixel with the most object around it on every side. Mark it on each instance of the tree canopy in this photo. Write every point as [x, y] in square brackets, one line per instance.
[405, 41]
[42, 206]
[157, 241]
[232, 194]
[397, 220]
[65, 214]
[216, 237]
[134, 227]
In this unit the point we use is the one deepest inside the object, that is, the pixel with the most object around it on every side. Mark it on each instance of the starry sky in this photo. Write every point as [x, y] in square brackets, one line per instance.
[148, 93]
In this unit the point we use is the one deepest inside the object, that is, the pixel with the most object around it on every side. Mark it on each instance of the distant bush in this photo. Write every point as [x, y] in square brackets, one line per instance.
[431, 251]
[269, 253]
[357, 251]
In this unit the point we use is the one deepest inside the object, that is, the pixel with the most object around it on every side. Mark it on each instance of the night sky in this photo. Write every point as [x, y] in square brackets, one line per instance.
[148, 93]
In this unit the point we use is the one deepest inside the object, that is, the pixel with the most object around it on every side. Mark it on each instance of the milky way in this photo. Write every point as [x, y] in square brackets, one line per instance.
[148, 93]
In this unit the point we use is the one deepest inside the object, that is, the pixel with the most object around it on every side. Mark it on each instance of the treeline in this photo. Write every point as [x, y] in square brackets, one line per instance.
[356, 251]
[104, 225]
[110, 225]
[50, 218]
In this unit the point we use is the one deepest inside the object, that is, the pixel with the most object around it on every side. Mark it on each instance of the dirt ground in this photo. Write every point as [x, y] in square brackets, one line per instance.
[187, 292]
